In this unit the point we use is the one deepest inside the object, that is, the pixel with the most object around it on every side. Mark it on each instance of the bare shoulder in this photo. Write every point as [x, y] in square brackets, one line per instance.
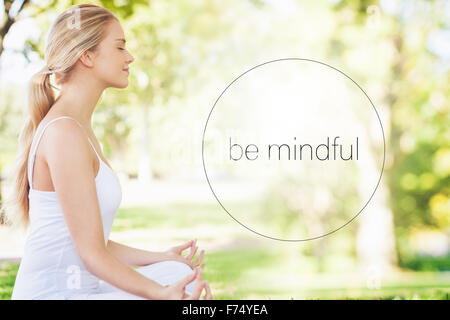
[65, 141]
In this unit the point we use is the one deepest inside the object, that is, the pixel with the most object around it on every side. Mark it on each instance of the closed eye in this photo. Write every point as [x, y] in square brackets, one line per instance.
[121, 48]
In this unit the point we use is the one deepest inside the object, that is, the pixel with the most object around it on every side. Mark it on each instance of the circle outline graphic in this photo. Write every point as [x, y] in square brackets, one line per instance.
[371, 196]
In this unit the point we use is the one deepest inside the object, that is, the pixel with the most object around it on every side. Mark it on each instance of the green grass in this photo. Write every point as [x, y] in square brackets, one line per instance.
[426, 263]
[7, 277]
[259, 274]
[254, 274]
[226, 270]
[241, 273]
[174, 215]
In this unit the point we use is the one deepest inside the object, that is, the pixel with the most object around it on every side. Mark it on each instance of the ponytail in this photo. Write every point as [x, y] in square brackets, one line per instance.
[40, 99]
[40, 96]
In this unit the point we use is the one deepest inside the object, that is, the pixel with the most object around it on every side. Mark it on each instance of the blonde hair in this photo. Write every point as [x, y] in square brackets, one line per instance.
[80, 28]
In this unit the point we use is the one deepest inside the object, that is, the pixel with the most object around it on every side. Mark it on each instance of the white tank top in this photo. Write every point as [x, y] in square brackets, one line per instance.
[51, 267]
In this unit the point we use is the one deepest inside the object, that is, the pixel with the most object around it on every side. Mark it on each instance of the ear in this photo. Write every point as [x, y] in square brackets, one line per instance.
[87, 58]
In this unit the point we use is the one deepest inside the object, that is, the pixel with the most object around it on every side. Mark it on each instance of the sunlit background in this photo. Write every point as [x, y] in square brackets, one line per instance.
[186, 53]
[301, 131]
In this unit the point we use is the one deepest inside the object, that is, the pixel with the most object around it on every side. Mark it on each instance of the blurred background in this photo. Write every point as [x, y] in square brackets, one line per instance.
[186, 53]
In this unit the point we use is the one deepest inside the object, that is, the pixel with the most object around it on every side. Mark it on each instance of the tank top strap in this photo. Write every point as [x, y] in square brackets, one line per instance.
[31, 158]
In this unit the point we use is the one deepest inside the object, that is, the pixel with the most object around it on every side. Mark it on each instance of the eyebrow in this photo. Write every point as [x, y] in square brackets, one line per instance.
[121, 39]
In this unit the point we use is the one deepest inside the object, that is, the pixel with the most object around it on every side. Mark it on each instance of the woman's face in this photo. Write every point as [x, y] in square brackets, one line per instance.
[112, 58]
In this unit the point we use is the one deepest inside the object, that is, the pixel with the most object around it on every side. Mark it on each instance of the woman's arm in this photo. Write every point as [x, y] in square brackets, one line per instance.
[137, 257]
[104, 265]
[133, 256]
[67, 153]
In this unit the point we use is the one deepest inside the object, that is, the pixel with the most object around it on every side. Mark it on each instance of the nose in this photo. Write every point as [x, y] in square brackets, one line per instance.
[130, 58]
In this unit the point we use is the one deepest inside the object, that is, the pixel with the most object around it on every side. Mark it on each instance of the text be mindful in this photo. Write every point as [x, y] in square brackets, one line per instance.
[322, 152]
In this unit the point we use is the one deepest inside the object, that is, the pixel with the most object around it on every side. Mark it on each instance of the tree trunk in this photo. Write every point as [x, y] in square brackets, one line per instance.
[375, 235]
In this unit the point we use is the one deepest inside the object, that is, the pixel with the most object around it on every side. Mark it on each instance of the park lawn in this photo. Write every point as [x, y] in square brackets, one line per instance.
[8, 273]
[241, 272]
[176, 215]
[231, 274]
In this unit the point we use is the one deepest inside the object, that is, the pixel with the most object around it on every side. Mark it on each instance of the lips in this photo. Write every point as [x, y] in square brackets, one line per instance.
[127, 70]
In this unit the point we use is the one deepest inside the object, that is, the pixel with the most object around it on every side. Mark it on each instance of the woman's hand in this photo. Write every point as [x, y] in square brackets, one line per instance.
[176, 291]
[175, 253]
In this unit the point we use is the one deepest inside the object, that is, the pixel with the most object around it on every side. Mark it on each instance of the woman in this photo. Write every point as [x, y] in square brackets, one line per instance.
[66, 191]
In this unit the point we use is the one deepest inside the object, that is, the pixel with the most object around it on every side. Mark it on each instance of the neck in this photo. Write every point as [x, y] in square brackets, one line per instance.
[78, 100]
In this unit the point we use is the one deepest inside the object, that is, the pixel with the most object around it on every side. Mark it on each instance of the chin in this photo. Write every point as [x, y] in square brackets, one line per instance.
[120, 85]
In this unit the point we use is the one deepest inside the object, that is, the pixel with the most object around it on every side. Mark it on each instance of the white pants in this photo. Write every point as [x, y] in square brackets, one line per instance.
[165, 273]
